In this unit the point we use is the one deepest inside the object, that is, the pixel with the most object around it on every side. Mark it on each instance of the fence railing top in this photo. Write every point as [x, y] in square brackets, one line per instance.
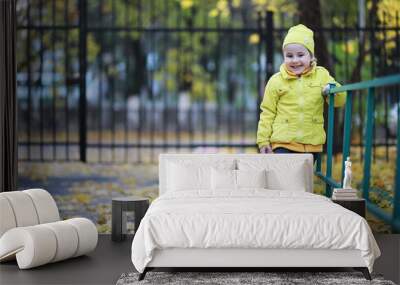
[377, 82]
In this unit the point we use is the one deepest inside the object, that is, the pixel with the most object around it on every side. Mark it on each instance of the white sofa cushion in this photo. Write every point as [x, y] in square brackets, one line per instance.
[45, 205]
[67, 240]
[32, 246]
[40, 244]
[7, 220]
[87, 235]
[22, 207]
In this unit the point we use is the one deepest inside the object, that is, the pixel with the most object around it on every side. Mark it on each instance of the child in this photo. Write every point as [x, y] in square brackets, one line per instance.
[291, 119]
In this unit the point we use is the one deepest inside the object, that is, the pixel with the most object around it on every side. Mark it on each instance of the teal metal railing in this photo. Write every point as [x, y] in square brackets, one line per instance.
[394, 218]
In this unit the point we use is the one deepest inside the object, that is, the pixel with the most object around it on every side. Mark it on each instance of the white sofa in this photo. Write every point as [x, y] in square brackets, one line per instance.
[155, 245]
[31, 231]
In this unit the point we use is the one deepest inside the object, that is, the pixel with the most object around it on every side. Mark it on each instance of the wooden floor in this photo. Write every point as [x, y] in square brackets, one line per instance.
[111, 259]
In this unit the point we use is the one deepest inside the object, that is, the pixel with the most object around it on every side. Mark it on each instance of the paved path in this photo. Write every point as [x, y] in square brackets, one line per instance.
[86, 190]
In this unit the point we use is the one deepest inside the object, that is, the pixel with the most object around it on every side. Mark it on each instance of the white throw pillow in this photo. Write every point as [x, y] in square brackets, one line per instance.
[292, 179]
[281, 173]
[186, 174]
[251, 179]
[226, 179]
[223, 179]
[181, 177]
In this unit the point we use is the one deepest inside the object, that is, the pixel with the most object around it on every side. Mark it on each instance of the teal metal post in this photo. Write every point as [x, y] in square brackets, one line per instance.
[368, 141]
[396, 200]
[329, 147]
[319, 162]
[347, 130]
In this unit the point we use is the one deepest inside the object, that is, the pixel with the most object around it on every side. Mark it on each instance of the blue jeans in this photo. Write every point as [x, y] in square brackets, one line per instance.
[285, 150]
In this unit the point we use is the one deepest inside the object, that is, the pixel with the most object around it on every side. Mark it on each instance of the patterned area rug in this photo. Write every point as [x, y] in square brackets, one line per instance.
[229, 278]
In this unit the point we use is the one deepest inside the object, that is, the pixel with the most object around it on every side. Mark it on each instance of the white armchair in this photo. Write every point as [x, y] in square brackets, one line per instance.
[31, 230]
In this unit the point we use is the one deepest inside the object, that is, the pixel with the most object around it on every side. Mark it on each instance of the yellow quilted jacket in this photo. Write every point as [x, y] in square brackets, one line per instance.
[292, 108]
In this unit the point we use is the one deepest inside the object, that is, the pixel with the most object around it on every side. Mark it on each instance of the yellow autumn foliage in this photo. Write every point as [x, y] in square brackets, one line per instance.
[254, 39]
[236, 3]
[349, 46]
[186, 4]
[387, 10]
[213, 13]
[82, 198]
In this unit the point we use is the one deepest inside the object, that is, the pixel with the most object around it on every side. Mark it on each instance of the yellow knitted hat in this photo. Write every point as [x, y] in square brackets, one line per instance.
[300, 34]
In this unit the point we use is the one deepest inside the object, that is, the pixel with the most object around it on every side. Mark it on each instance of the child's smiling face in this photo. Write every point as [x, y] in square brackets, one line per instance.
[296, 58]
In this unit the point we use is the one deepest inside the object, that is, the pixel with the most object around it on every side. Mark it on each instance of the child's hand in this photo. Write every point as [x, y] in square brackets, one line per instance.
[266, 149]
[327, 87]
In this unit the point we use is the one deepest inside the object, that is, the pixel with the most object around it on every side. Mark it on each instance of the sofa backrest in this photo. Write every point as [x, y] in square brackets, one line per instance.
[26, 208]
[292, 169]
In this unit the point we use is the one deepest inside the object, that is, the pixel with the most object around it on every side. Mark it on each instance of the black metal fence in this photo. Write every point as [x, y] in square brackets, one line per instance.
[123, 80]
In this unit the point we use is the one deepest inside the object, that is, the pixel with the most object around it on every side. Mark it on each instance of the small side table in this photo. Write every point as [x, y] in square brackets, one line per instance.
[120, 206]
[357, 205]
